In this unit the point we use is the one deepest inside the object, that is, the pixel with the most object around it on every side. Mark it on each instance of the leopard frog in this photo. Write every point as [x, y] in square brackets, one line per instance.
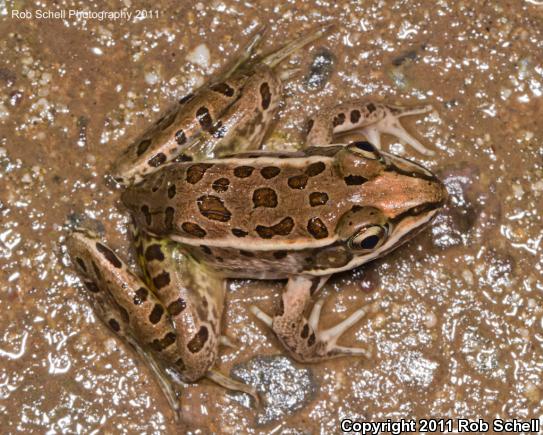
[207, 205]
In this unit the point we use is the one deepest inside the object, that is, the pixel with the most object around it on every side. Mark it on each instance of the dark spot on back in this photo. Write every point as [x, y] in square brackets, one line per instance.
[146, 213]
[161, 280]
[316, 228]
[266, 95]
[141, 296]
[109, 255]
[269, 172]
[143, 146]
[205, 249]
[221, 185]
[213, 208]
[198, 341]
[180, 137]
[204, 118]
[354, 180]
[317, 198]
[298, 181]
[172, 190]
[156, 314]
[315, 169]
[371, 107]
[243, 171]
[177, 307]
[311, 340]
[239, 233]
[196, 172]
[113, 324]
[223, 88]
[265, 197]
[193, 229]
[338, 119]
[157, 160]
[355, 116]
[154, 252]
[168, 217]
[283, 228]
[280, 254]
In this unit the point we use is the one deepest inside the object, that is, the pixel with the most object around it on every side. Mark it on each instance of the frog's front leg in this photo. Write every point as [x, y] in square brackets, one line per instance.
[371, 119]
[301, 336]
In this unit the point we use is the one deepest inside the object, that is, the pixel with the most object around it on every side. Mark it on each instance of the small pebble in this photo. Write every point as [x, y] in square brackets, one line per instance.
[200, 56]
[431, 320]
[152, 78]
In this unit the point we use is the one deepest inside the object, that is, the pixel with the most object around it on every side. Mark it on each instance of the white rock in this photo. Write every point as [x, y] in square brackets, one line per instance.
[200, 56]
[152, 78]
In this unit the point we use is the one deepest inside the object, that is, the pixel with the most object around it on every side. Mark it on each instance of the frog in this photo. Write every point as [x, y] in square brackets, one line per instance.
[209, 205]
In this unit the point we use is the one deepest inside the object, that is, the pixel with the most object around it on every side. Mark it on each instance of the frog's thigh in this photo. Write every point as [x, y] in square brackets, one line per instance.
[194, 298]
[371, 119]
[140, 312]
[122, 301]
[301, 336]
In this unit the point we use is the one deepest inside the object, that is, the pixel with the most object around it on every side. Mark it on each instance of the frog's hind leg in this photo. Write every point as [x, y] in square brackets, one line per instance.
[302, 336]
[194, 297]
[124, 303]
[372, 119]
[276, 57]
[246, 53]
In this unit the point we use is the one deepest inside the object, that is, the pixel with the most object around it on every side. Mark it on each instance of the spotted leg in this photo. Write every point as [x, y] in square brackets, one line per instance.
[124, 303]
[302, 337]
[194, 297]
[371, 119]
[230, 114]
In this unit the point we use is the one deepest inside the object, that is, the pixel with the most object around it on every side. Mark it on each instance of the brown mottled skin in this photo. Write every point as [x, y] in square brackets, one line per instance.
[202, 215]
[235, 206]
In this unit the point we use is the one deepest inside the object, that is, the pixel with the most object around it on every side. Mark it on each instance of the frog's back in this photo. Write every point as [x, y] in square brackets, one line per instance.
[260, 202]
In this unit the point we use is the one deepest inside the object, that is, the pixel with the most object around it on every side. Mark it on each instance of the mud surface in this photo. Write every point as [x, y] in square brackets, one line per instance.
[456, 316]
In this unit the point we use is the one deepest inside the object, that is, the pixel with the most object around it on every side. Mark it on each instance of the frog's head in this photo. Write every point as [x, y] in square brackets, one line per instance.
[392, 200]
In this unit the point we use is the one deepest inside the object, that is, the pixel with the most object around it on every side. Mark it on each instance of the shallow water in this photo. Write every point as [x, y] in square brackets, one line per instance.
[456, 315]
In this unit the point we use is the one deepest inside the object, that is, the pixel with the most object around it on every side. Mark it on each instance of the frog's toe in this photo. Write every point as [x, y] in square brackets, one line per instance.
[261, 315]
[390, 124]
[231, 384]
[226, 341]
[307, 343]
[330, 336]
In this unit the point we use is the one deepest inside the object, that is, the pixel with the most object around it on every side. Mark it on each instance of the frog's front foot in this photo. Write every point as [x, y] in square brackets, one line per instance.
[301, 336]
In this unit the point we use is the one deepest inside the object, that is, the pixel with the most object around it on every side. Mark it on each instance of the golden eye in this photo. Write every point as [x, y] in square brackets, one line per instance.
[366, 149]
[368, 238]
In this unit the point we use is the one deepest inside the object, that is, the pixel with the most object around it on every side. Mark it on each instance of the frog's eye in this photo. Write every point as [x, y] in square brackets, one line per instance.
[369, 238]
[366, 149]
